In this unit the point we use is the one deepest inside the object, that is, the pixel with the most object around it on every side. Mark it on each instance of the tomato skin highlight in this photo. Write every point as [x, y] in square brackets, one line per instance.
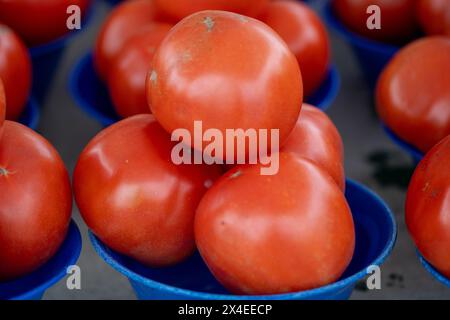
[179, 9]
[134, 198]
[306, 36]
[228, 71]
[125, 20]
[35, 202]
[15, 71]
[126, 80]
[39, 22]
[434, 16]
[316, 138]
[428, 206]
[293, 231]
[398, 18]
[413, 92]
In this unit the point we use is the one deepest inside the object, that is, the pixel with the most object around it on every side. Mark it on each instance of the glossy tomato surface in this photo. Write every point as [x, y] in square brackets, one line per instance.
[293, 231]
[39, 22]
[35, 201]
[134, 198]
[434, 16]
[428, 207]
[398, 19]
[126, 80]
[127, 19]
[179, 9]
[413, 92]
[15, 71]
[305, 35]
[228, 71]
[316, 138]
[2, 107]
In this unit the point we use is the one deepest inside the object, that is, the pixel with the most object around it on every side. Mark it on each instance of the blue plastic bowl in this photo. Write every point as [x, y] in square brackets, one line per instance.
[113, 2]
[415, 153]
[372, 55]
[440, 277]
[91, 94]
[375, 237]
[30, 116]
[45, 59]
[33, 285]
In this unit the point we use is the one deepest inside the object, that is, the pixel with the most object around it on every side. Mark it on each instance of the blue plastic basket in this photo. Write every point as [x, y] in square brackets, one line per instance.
[372, 55]
[415, 153]
[33, 285]
[376, 233]
[91, 94]
[46, 58]
[30, 116]
[440, 277]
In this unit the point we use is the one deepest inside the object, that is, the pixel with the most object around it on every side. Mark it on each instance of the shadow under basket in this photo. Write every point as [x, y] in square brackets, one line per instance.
[415, 153]
[372, 55]
[34, 285]
[30, 116]
[375, 229]
[91, 94]
[436, 274]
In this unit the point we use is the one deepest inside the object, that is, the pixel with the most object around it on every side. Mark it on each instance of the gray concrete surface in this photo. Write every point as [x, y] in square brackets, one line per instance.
[370, 158]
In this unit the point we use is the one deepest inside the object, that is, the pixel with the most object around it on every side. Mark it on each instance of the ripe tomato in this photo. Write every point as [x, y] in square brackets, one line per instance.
[39, 22]
[126, 80]
[413, 92]
[179, 9]
[15, 71]
[125, 20]
[293, 231]
[316, 138]
[398, 19]
[134, 198]
[434, 16]
[35, 201]
[305, 35]
[2, 107]
[228, 71]
[428, 206]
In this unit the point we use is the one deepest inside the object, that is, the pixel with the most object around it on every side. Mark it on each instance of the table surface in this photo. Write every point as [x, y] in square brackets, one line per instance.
[370, 158]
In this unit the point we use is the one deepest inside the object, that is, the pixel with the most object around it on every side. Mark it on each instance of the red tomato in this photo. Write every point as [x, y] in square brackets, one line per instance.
[15, 71]
[2, 107]
[228, 71]
[35, 201]
[39, 22]
[126, 80]
[134, 198]
[398, 19]
[316, 138]
[428, 206]
[124, 21]
[179, 9]
[305, 35]
[293, 231]
[434, 16]
[413, 92]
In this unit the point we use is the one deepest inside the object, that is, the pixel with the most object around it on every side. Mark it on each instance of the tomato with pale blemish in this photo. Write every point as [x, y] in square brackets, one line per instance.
[269, 234]
[428, 207]
[134, 198]
[35, 201]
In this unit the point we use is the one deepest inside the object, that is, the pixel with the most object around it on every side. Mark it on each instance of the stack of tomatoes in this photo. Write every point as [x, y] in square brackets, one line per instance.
[258, 233]
[130, 35]
[35, 197]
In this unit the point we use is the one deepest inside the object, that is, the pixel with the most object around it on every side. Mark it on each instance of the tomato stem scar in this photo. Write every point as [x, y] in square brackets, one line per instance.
[3, 172]
[209, 23]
